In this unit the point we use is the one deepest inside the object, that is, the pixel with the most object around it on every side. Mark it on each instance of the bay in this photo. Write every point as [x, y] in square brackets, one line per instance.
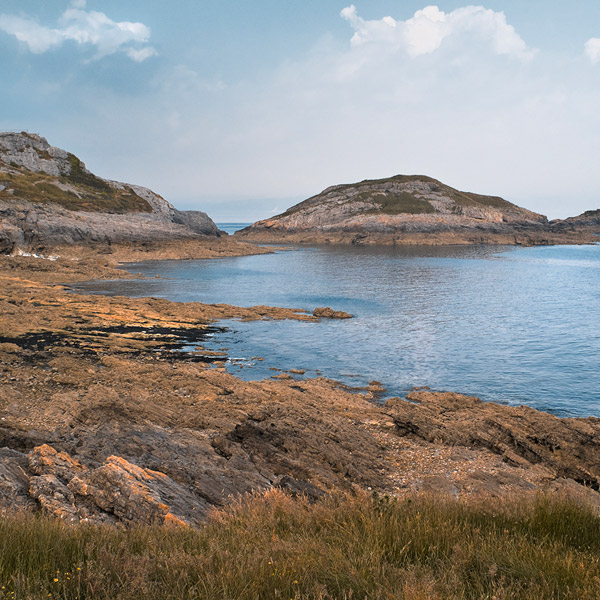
[512, 325]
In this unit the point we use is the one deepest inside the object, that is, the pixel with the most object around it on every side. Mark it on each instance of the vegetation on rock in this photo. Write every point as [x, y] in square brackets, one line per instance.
[80, 190]
[391, 199]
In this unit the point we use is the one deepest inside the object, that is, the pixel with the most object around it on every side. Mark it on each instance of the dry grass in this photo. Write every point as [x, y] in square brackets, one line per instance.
[272, 546]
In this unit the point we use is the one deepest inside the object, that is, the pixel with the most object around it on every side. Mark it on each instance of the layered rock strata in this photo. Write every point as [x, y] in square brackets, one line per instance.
[409, 210]
[48, 198]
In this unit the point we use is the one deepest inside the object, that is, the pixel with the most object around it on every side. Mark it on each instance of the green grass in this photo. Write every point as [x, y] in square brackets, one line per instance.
[272, 546]
[93, 194]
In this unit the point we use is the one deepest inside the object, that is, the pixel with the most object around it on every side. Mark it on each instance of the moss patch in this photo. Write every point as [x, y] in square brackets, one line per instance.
[392, 203]
[396, 203]
[92, 193]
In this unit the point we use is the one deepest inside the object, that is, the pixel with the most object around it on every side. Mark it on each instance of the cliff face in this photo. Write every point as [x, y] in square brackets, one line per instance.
[48, 197]
[403, 209]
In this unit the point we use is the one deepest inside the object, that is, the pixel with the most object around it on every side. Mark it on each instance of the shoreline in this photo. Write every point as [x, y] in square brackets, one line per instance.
[100, 421]
[523, 238]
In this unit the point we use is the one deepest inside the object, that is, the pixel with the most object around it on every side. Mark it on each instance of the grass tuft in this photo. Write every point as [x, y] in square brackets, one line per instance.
[273, 546]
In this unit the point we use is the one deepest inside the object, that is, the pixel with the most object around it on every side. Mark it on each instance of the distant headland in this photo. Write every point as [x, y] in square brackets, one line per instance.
[416, 209]
[49, 198]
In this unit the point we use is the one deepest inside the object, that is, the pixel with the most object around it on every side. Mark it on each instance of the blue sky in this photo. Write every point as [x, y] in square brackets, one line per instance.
[243, 108]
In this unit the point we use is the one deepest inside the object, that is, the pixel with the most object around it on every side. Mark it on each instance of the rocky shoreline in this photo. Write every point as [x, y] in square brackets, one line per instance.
[104, 420]
[440, 236]
[416, 209]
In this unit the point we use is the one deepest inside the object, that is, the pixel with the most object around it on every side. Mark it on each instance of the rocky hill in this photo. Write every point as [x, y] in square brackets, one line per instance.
[48, 198]
[589, 220]
[404, 209]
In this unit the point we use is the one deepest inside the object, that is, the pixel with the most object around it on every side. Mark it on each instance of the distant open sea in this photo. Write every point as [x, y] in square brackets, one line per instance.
[513, 325]
[231, 228]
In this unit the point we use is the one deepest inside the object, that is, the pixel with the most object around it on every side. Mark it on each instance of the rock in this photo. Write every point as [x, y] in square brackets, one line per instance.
[54, 497]
[436, 484]
[45, 460]
[296, 488]
[48, 198]
[587, 221]
[328, 313]
[14, 480]
[116, 490]
[406, 209]
[199, 222]
[522, 436]
[138, 495]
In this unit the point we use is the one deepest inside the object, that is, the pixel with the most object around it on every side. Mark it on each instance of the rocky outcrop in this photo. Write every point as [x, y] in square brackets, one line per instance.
[521, 436]
[102, 420]
[405, 210]
[199, 222]
[325, 312]
[588, 221]
[49, 198]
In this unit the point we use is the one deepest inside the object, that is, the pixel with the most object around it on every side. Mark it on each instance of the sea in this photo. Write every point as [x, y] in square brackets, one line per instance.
[508, 324]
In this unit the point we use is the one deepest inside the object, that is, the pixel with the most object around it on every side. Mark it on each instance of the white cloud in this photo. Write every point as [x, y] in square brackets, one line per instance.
[141, 55]
[592, 50]
[38, 38]
[460, 111]
[427, 29]
[87, 28]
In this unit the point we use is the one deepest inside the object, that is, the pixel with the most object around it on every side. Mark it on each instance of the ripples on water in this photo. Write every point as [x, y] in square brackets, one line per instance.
[512, 325]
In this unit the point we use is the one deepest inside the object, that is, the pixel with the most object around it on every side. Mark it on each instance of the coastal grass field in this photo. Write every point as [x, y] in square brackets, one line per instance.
[274, 546]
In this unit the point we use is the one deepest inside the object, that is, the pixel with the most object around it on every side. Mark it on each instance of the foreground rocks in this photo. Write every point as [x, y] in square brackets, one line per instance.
[49, 198]
[104, 419]
[567, 449]
[414, 209]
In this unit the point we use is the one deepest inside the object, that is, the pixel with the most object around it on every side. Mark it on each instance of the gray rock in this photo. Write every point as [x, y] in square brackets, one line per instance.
[14, 480]
[199, 222]
[48, 198]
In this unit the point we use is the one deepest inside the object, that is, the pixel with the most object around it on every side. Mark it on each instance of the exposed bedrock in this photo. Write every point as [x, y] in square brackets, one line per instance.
[409, 209]
[49, 198]
[568, 447]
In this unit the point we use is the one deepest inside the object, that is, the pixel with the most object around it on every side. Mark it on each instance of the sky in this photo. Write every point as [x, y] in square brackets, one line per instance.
[242, 109]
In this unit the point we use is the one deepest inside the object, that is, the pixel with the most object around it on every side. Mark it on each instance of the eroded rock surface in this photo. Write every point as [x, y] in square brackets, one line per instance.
[521, 436]
[49, 198]
[409, 209]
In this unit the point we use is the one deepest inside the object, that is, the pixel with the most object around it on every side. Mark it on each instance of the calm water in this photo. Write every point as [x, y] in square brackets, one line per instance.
[519, 326]
[231, 228]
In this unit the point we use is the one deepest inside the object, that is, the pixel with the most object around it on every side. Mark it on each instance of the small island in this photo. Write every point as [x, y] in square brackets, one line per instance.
[415, 209]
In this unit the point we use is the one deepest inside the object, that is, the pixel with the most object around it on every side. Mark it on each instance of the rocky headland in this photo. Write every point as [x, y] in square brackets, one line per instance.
[415, 209]
[106, 415]
[48, 198]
